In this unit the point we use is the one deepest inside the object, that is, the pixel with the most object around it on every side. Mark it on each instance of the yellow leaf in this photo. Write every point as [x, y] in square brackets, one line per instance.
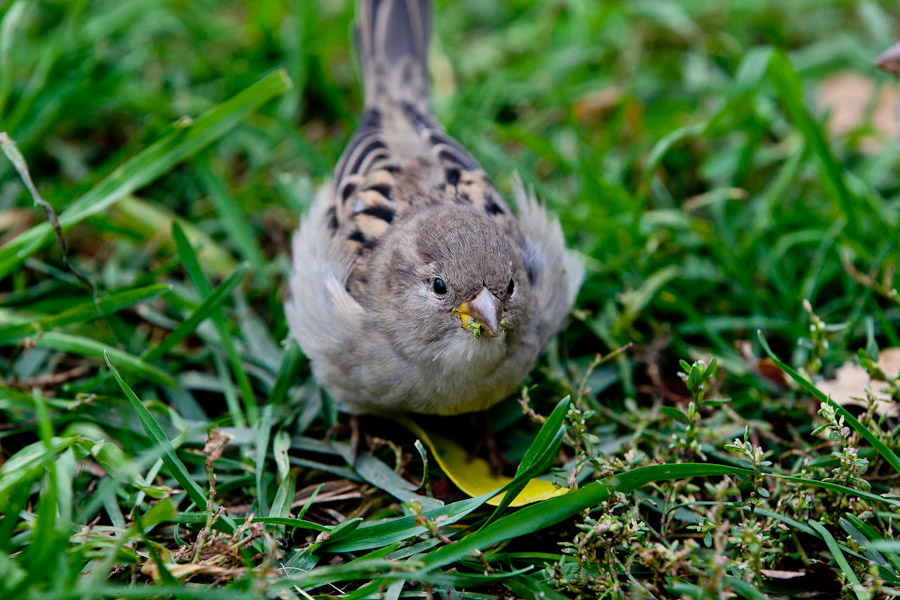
[473, 475]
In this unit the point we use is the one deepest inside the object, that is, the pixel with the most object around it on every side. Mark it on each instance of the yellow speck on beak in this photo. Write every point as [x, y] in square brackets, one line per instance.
[481, 315]
[463, 315]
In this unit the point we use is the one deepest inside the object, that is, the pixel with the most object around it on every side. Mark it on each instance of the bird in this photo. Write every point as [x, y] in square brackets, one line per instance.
[414, 287]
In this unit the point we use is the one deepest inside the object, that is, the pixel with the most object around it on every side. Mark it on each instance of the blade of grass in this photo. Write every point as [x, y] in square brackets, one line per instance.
[101, 589]
[886, 453]
[290, 360]
[841, 489]
[365, 569]
[44, 538]
[29, 462]
[146, 482]
[530, 588]
[539, 456]
[209, 304]
[154, 222]
[204, 288]
[376, 472]
[234, 221]
[790, 89]
[835, 550]
[281, 444]
[173, 463]
[105, 305]
[745, 589]
[550, 512]
[8, 26]
[12, 152]
[309, 501]
[872, 537]
[195, 518]
[82, 346]
[740, 105]
[12, 505]
[797, 525]
[262, 433]
[281, 504]
[377, 535]
[187, 138]
[863, 542]
[232, 401]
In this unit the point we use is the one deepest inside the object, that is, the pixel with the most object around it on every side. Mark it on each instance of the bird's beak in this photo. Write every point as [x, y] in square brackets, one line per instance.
[481, 314]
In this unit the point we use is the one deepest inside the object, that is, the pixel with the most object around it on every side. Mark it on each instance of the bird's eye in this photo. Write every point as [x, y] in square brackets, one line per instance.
[439, 287]
[510, 288]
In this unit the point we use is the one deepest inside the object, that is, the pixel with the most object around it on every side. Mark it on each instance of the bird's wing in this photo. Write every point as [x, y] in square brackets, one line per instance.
[554, 271]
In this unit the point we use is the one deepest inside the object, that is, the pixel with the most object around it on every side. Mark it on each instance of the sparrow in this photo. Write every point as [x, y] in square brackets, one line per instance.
[414, 286]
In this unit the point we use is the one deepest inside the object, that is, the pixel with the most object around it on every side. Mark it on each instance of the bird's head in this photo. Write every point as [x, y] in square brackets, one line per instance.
[455, 283]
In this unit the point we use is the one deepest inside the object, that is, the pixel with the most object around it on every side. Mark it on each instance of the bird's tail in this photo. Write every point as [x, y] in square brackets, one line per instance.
[392, 39]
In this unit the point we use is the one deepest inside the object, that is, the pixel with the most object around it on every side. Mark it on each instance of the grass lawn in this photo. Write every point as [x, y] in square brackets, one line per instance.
[730, 172]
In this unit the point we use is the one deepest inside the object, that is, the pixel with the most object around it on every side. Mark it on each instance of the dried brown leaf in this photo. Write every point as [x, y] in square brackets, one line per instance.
[889, 362]
[765, 367]
[216, 440]
[768, 369]
[597, 102]
[848, 387]
[848, 96]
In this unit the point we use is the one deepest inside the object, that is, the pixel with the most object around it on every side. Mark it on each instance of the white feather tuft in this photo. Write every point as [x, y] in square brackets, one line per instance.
[558, 272]
[320, 312]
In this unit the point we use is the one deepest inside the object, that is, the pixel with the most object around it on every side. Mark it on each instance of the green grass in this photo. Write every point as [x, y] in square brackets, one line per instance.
[160, 437]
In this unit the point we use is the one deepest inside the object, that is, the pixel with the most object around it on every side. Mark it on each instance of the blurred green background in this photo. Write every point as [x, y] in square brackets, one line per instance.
[715, 162]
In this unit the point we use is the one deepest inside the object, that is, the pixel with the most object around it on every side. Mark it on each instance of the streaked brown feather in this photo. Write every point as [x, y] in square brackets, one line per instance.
[400, 160]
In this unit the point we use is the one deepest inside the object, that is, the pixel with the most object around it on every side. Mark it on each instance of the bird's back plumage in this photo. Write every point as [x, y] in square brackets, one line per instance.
[399, 171]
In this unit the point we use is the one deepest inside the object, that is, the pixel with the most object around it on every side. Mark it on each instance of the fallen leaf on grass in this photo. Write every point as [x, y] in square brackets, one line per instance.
[848, 97]
[14, 221]
[765, 367]
[473, 475]
[850, 380]
[768, 369]
[594, 104]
